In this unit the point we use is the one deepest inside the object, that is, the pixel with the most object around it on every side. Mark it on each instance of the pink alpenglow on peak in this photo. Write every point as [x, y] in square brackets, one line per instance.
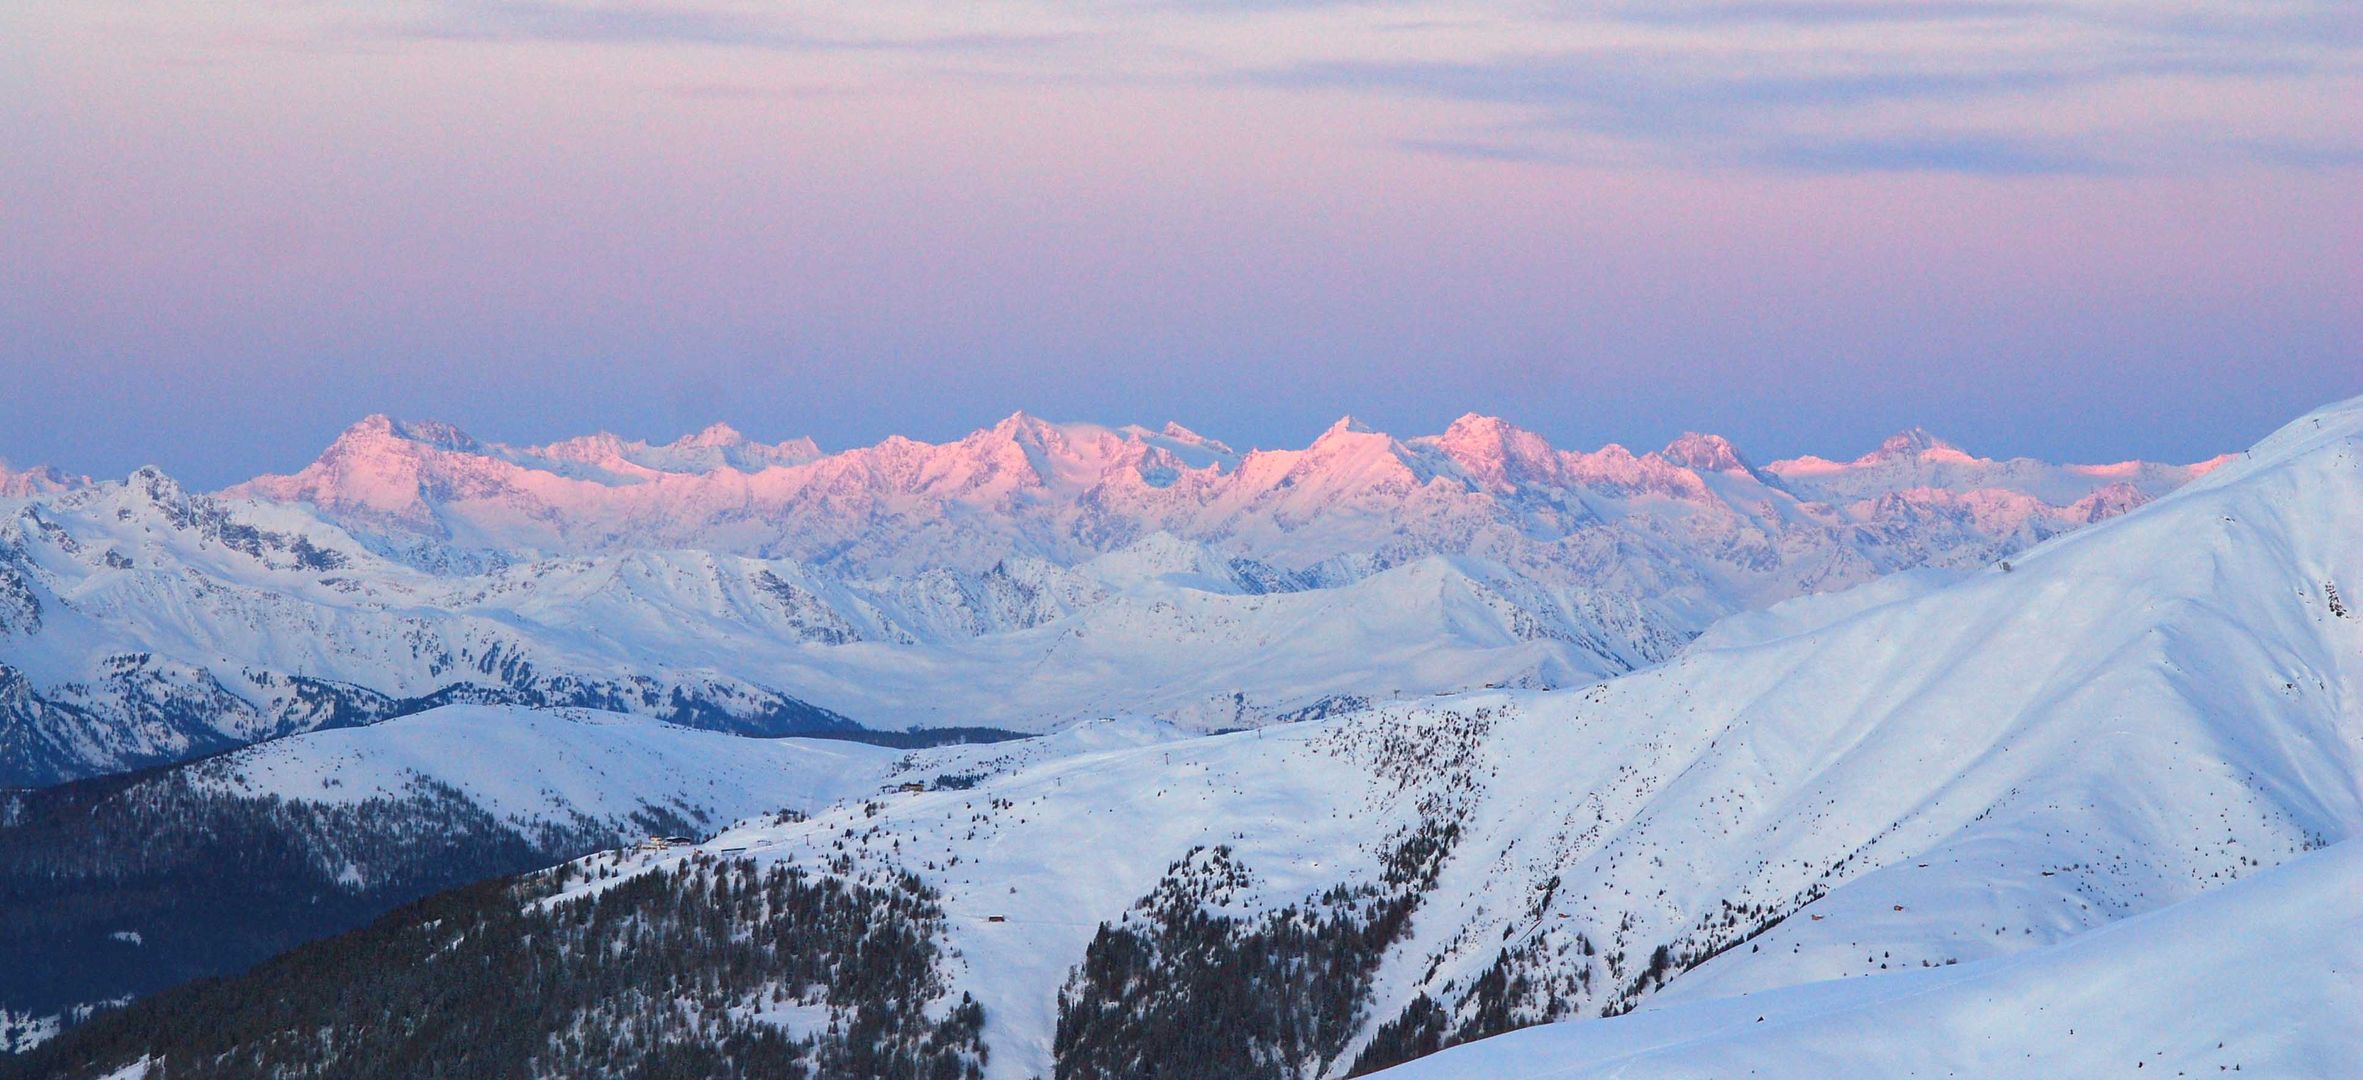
[1067, 493]
[1705, 453]
[36, 480]
[1496, 452]
[1913, 458]
[718, 447]
[1910, 444]
[1481, 555]
[715, 434]
[1914, 442]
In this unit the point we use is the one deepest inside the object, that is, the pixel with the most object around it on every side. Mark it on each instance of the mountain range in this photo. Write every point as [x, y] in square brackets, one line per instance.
[1025, 577]
[1850, 816]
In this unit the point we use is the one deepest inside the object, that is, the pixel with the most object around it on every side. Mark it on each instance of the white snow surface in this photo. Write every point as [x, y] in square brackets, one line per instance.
[2265, 974]
[1945, 773]
[556, 766]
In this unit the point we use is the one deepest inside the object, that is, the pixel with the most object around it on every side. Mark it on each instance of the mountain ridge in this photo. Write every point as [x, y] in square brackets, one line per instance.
[912, 584]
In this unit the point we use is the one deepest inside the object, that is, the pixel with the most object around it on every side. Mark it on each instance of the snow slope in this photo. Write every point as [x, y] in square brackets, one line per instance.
[1946, 773]
[535, 767]
[142, 624]
[2265, 974]
[123, 887]
[149, 624]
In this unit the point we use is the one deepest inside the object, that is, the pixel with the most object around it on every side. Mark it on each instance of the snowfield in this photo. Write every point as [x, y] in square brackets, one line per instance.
[530, 767]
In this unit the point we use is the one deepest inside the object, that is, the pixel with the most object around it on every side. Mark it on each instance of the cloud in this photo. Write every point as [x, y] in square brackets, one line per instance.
[2315, 24]
[528, 20]
[1818, 12]
[1974, 155]
[1471, 150]
[743, 91]
[2258, 22]
[1635, 93]
[1662, 80]
[1815, 85]
[2308, 156]
[1825, 110]
[610, 23]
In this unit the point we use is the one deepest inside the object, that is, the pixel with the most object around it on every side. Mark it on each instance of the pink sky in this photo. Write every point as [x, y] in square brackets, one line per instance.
[2087, 230]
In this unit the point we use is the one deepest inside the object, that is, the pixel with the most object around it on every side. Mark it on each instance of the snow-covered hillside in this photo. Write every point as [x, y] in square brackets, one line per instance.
[2123, 720]
[537, 769]
[2263, 976]
[124, 886]
[1026, 577]
[141, 624]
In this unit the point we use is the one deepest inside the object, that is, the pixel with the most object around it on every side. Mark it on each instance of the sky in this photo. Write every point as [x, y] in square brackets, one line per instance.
[2080, 230]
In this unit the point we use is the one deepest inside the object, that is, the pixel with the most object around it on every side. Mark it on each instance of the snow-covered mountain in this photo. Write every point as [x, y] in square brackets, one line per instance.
[1916, 461]
[141, 624]
[1948, 780]
[125, 886]
[1356, 500]
[1025, 577]
[38, 480]
[1945, 773]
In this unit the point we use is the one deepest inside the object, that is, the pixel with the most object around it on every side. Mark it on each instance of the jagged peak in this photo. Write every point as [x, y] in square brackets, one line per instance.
[1705, 453]
[1173, 432]
[714, 434]
[1032, 434]
[37, 480]
[582, 446]
[379, 427]
[1345, 430]
[1492, 448]
[157, 485]
[1911, 442]
[1021, 422]
[1477, 429]
[439, 435]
